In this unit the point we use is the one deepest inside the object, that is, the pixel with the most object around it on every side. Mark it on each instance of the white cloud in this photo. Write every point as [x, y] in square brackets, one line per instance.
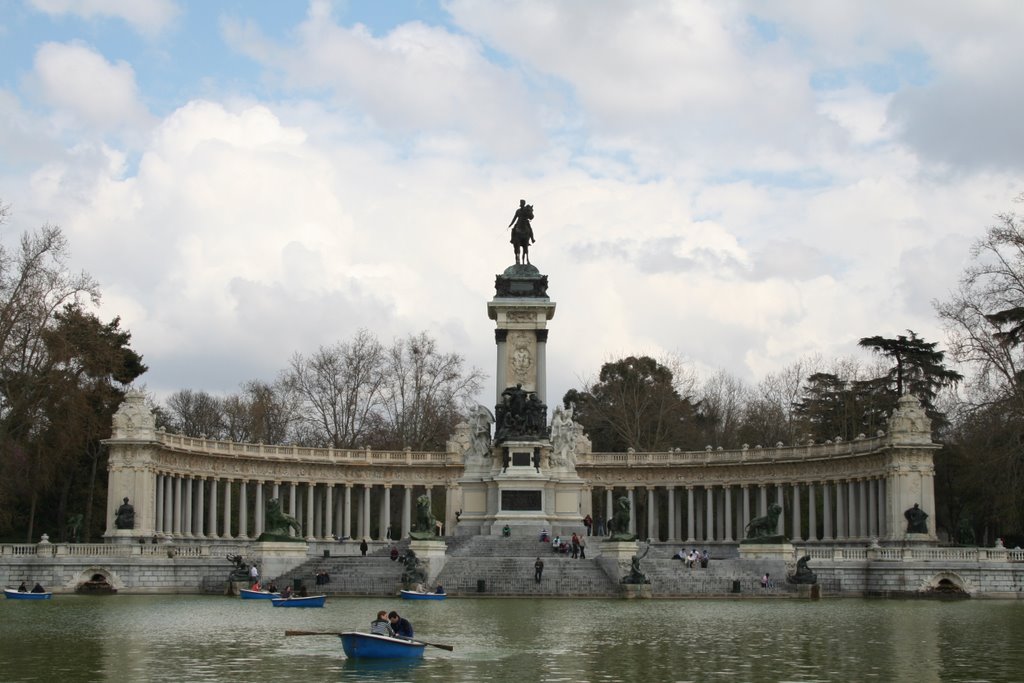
[79, 82]
[147, 16]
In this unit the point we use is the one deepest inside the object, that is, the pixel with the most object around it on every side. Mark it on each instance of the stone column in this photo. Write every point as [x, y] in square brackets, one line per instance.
[651, 511]
[609, 509]
[763, 499]
[542, 365]
[709, 504]
[884, 522]
[318, 510]
[259, 511]
[227, 509]
[700, 495]
[406, 511]
[689, 515]
[851, 503]
[243, 509]
[347, 529]
[168, 504]
[746, 508]
[309, 511]
[727, 493]
[177, 506]
[211, 523]
[189, 502]
[385, 513]
[826, 511]
[842, 531]
[293, 494]
[501, 380]
[812, 513]
[200, 508]
[671, 502]
[797, 521]
[780, 500]
[865, 530]
[632, 509]
[158, 523]
[328, 511]
[367, 489]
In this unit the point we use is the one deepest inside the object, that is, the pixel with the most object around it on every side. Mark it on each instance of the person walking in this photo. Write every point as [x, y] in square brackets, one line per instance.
[583, 549]
[538, 569]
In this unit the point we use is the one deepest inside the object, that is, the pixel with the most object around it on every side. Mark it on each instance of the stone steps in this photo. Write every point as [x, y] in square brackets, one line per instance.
[514, 576]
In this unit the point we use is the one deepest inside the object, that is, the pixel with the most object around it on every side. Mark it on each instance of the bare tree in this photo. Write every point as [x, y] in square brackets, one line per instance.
[196, 414]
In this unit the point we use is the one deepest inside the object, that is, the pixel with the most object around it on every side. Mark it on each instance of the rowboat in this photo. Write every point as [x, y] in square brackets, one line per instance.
[249, 594]
[12, 594]
[311, 601]
[372, 646]
[416, 595]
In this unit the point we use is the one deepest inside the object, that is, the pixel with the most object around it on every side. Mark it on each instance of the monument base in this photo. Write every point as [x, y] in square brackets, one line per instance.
[432, 555]
[275, 558]
[768, 551]
[122, 536]
[637, 590]
[622, 551]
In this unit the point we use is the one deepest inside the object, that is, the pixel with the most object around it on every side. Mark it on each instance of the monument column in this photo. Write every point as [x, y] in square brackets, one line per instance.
[328, 511]
[746, 508]
[797, 521]
[651, 511]
[187, 524]
[158, 517]
[689, 515]
[812, 513]
[310, 528]
[406, 510]
[243, 509]
[347, 528]
[671, 503]
[630, 490]
[709, 503]
[542, 365]
[826, 511]
[780, 500]
[385, 513]
[227, 509]
[841, 527]
[727, 493]
[200, 508]
[211, 523]
[501, 380]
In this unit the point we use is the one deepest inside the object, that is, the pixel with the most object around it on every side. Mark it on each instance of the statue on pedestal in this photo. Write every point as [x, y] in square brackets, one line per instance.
[521, 414]
[124, 518]
[620, 521]
[917, 520]
[522, 233]
[803, 572]
[764, 529]
[636, 576]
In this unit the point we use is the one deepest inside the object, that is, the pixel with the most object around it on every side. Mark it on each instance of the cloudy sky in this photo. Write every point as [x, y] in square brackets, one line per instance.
[740, 184]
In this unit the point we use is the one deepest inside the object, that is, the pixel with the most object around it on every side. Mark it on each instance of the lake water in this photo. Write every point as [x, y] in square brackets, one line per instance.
[203, 638]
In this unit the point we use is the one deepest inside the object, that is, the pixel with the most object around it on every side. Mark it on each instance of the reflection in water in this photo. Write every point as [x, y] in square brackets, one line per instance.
[198, 638]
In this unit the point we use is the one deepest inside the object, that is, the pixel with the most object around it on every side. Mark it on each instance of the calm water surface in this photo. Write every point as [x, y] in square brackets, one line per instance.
[200, 638]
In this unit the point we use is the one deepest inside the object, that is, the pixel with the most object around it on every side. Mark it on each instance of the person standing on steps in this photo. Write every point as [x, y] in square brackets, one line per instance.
[538, 569]
[363, 547]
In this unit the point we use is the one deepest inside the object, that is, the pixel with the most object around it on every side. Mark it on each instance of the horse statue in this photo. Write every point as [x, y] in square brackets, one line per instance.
[522, 232]
[425, 521]
[277, 522]
[765, 526]
[620, 521]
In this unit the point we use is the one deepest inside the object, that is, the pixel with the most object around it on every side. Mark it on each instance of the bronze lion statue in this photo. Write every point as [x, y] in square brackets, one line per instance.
[765, 526]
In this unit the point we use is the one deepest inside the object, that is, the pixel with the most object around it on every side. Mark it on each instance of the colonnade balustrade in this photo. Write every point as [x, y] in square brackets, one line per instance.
[843, 510]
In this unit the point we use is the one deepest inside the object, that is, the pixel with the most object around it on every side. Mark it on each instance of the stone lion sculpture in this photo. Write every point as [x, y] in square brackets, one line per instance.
[277, 522]
[425, 522]
[620, 521]
[764, 526]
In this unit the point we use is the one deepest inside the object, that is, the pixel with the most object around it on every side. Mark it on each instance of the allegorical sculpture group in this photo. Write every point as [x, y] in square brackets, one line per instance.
[520, 415]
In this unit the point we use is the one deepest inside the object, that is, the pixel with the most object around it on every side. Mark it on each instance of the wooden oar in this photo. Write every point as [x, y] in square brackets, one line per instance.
[440, 646]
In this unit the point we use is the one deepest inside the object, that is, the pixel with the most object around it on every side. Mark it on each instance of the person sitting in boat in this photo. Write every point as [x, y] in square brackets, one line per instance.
[38, 589]
[272, 587]
[287, 592]
[381, 626]
[256, 586]
[303, 593]
[401, 625]
[23, 588]
[439, 590]
[419, 588]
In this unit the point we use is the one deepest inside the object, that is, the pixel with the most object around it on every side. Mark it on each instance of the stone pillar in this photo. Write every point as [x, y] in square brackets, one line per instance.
[406, 511]
[727, 494]
[746, 509]
[259, 510]
[851, 503]
[689, 515]
[329, 511]
[797, 521]
[709, 504]
[365, 526]
[293, 494]
[632, 509]
[763, 499]
[671, 502]
[865, 530]
[884, 521]
[651, 512]
[501, 380]
[310, 511]
[200, 508]
[609, 509]
[812, 513]
[158, 524]
[700, 495]
[780, 500]
[385, 513]
[841, 528]
[542, 365]
[347, 529]
[227, 509]
[211, 523]
[826, 511]
[243, 509]
[176, 510]
[187, 502]
[168, 504]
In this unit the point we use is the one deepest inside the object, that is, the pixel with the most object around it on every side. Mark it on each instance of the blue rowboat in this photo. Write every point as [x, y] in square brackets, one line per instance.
[359, 645]
[12, 594]
[311, 601]
[248, 594]
[414, 595]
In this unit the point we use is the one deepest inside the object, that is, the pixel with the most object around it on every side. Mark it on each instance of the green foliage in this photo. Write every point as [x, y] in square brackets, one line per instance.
[634, 404]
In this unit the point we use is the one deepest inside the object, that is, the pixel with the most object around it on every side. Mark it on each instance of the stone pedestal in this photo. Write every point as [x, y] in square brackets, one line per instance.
[768, 551]
[620, 551]
[122, 537]
[633, 591]
[432, 555]
[275, 558]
